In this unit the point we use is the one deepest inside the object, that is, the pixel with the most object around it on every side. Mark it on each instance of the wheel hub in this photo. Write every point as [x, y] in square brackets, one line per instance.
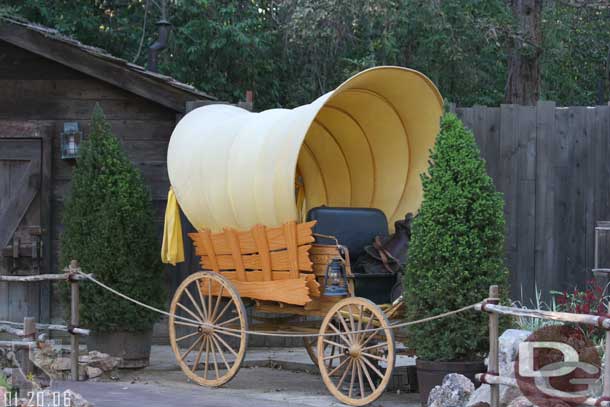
[206, 329]
[355, 351]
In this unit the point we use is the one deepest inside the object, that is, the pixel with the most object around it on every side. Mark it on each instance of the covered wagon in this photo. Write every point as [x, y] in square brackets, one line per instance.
[284, 201]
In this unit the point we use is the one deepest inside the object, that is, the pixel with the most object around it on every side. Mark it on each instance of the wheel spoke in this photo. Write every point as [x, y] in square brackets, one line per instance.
[228, 321]
[332, 352]
[225, 344]
[222, 354]
[338, 355]
[369, 355]
[203, 307]
[349, 365]
[226, 307]
[334, 328]
[188, 293]
[210, 297]
[351, 381]
[335, 344]
[214, 358]
[376, 346]
[360, 380]
[198, 358]
[359, 335]
[221, 331]
[188, 311]
[339, 366]
[352, 324]
[371, 336]
[207, 357]
[187, 336]
[186, 324]
[368, 376]
[373, 368]
[344, 324]
[190, 348]
[218, 301]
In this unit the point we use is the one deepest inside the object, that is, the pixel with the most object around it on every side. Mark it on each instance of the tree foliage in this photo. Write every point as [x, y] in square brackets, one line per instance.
[109, 227]
[456, 250]
[291, 51]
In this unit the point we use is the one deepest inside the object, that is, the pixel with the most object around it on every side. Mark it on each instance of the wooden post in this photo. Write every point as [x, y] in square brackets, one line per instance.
[74, 320]
[606, 378]
[22, 357]
[493, 365]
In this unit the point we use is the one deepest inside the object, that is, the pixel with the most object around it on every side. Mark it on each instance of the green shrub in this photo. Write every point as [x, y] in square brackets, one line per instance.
[109, 228]
[456, 250]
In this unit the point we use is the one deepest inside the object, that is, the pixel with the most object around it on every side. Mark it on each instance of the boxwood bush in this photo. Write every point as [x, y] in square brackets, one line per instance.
[456, 250]
[109, 228]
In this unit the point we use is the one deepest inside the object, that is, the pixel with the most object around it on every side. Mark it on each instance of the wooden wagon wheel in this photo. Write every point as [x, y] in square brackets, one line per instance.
[360, 372]
[212, 356]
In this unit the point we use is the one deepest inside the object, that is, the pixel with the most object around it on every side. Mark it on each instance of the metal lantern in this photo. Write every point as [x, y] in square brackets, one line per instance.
[71, 138]
[335, 279]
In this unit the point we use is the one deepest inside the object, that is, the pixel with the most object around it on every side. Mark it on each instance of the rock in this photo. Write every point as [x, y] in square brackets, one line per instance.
[483, 394]
[102, 361]
[509, 347]
[453, 392]
[61, 364]
[93, 372]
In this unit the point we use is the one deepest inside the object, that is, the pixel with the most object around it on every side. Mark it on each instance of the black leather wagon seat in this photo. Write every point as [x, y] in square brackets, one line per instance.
[353, 227]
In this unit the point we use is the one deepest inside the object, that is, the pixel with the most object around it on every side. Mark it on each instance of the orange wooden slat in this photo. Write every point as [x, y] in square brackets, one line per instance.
[209, 248]
[238, 264]
[290, 235]
[260, 236]
[247, 242]
[280, 261]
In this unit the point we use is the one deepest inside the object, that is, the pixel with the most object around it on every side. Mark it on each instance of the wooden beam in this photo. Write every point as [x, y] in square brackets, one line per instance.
[103, 67]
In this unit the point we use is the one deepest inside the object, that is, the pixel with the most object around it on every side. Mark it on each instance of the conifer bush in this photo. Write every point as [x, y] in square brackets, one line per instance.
[456, 250]
[109, 228]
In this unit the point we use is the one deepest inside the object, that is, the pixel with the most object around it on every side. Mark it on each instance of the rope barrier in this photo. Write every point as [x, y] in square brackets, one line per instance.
[274, 333]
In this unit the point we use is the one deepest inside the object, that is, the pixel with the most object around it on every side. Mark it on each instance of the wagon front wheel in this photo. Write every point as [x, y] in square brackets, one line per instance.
[207, 329]
[358, 373]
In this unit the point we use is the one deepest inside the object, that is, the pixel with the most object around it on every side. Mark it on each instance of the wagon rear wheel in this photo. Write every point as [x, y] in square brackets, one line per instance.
[207, 329]
[359, 372]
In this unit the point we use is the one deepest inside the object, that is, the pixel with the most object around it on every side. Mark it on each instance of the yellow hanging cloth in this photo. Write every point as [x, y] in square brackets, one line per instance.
[172, 251]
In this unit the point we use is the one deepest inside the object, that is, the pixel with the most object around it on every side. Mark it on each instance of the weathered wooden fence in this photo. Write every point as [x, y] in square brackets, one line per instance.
[553, 166]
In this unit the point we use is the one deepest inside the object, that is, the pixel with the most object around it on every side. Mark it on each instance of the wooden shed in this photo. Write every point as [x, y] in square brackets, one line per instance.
[47, 80]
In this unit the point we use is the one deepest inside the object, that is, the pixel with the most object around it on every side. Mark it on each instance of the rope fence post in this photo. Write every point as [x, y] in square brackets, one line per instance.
[606, 378]
[493, 365]
[74, 318]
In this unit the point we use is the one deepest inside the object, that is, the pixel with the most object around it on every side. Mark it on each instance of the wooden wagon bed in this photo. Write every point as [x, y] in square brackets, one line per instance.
[279, 264]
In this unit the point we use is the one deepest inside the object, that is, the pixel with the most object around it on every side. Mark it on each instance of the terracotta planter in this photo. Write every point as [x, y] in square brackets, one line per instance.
[132, 347]
[430, 374]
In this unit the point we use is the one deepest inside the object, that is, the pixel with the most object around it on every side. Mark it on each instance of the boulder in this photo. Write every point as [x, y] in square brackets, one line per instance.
[101, 361]
[61, 364]
[93, 372]
[483, 395]
[453, 392]
[525, 402]
[509, 348]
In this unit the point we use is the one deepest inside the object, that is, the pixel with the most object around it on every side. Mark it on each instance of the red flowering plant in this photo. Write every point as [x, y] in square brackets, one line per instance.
[593, 300]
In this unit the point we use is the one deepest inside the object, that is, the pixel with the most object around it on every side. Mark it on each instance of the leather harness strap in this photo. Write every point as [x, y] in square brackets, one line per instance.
[383, 253]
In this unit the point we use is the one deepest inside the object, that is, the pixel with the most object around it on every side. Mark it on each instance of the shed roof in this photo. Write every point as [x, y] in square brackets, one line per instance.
[96, 62]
